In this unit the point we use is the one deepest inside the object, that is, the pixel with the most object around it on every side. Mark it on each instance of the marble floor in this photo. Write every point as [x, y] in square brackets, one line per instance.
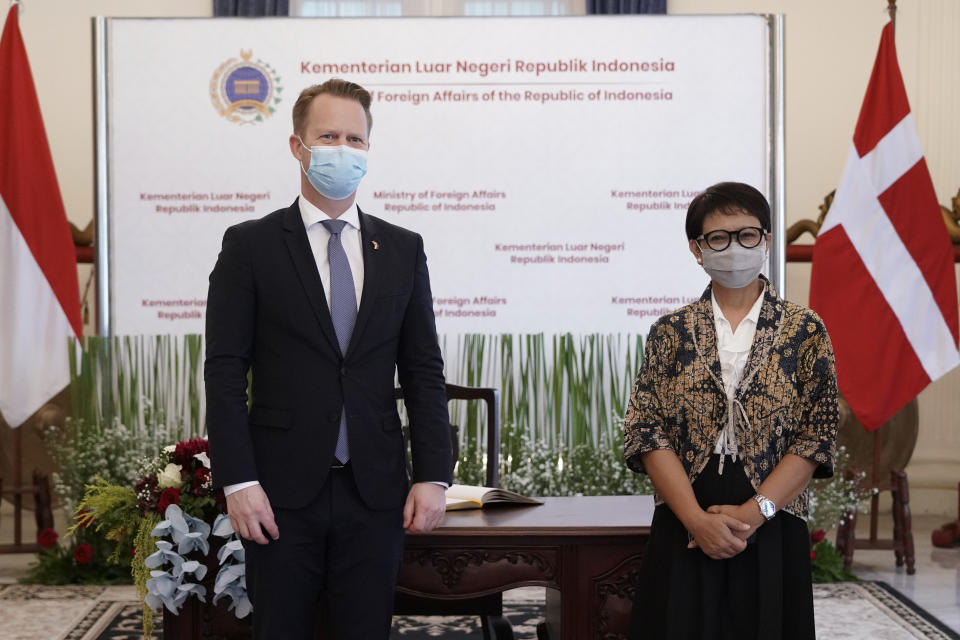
[935, 586]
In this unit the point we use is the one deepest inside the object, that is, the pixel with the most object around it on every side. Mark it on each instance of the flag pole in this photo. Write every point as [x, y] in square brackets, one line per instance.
[17, 442]
[18, 486]
[875, 472]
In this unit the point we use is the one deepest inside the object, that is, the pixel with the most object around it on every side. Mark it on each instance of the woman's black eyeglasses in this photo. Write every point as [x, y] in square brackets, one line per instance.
[718, 240]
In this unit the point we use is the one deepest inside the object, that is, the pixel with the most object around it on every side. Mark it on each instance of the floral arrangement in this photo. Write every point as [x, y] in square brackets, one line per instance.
[541, 469]
[171, 588]
[83, 449]
[166, 520]
[833, 499]
[77, 559]
[586, 469]
[826, 563]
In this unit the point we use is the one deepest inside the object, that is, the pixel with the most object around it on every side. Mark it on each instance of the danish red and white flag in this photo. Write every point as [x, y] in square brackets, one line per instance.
[883, 272]
[39, 296]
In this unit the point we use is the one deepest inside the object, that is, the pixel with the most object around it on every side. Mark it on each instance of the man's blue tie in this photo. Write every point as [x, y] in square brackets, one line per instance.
[343, 310]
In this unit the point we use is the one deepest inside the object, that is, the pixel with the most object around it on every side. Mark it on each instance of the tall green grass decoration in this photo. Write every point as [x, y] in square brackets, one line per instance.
[559, 393]
[558, 390]
[562, 400]
[142, 382]
[562, 390]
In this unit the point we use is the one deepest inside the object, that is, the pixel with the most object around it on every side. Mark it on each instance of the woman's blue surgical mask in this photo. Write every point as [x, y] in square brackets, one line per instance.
[335, 171]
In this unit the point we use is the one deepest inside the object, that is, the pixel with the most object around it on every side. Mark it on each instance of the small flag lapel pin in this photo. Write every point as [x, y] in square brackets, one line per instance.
[376, 245]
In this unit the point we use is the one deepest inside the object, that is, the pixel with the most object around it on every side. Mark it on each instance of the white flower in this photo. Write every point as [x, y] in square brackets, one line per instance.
[170, 476]
[203, 458]
[170, 449]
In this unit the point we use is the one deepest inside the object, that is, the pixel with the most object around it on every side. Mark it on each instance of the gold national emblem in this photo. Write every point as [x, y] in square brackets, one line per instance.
[245, 91]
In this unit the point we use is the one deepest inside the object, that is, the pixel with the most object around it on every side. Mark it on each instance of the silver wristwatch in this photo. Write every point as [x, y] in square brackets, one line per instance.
[767, 508]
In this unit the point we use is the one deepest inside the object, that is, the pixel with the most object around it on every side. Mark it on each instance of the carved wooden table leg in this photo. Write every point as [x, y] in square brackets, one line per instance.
[902, 488]
[496, 628]
[42, 501]
[897, 512]
[847, 537]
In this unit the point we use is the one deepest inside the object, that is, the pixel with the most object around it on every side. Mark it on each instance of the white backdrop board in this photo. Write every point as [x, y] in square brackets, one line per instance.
[547, 162]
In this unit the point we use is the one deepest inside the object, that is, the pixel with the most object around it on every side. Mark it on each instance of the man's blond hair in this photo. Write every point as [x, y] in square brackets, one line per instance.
[332, 87]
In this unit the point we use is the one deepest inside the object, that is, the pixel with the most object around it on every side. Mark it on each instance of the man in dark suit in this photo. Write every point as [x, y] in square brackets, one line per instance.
[321, 304]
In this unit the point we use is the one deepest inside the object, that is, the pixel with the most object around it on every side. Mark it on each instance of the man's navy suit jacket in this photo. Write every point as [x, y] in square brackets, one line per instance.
[267, 313]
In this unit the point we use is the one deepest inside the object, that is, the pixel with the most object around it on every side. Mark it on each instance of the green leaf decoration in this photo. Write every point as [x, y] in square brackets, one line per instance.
[826, 565]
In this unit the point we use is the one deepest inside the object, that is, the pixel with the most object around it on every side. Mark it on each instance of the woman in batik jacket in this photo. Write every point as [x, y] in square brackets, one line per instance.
[734, 410]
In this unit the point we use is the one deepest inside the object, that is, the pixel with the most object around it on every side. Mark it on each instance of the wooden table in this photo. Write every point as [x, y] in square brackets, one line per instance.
[585, 550]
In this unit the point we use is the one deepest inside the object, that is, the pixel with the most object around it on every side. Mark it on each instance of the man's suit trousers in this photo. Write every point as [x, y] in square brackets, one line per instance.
[334, 553]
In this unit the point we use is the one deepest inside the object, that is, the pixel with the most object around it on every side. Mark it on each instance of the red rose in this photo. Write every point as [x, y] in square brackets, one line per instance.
[186, 449]
[147, 493]
[818, 536]
[47, 538]
[83, 553]
[200, 477]
[84, 518]
[170, 495]
[813, 554]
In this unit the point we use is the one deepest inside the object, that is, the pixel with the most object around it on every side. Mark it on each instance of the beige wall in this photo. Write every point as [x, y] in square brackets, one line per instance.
[59, 42]
[831, 45]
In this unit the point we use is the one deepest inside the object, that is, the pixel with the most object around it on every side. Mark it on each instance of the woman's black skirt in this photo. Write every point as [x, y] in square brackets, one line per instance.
[764, 592]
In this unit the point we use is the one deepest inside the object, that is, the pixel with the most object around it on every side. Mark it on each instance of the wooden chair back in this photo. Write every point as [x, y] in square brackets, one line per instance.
[492, 399]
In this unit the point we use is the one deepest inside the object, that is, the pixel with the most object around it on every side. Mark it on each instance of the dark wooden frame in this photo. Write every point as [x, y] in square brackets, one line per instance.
[40, 490]
[902, 541]
[489, 607]
[492, 398]
[586, 550]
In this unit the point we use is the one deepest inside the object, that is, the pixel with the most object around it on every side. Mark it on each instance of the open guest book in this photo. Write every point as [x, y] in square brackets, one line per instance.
[462, 496]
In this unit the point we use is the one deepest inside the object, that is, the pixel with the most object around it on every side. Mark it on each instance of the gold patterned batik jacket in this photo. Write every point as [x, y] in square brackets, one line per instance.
[786, 401]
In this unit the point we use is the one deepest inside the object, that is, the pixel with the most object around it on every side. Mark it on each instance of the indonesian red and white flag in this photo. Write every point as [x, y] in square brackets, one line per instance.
[39, 296]
[883, 273]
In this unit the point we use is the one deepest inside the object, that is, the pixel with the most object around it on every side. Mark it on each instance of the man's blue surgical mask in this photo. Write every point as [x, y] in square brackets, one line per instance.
[335, 171]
